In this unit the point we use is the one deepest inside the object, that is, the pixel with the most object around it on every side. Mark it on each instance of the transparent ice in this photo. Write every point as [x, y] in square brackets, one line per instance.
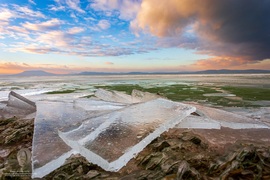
[198, 122]
[115, 96]
[111, 140]
[228, 119]
[52, 116]
[16, 105]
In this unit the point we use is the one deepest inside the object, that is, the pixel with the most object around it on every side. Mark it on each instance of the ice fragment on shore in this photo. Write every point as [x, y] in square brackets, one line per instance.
[65, 116]
[17, 105]
[228, 119]
[120, 97]
[17, 101]
[198, 122]
[47, 146]
[94, 105]
[111, 140]
[141, 96]
[114, 96]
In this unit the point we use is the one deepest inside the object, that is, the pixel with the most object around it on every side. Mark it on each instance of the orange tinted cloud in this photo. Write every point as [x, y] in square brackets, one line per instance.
[221, 28]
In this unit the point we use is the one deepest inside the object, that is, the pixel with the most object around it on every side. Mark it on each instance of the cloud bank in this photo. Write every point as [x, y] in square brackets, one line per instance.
[230, 29]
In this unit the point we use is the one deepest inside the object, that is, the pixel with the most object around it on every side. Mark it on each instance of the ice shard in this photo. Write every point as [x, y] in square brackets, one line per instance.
[198, 122]
[48, 149]
[111, 140]
[17, 105]
[17, 101]
[141, 96]
[228, 119]
[115, 96]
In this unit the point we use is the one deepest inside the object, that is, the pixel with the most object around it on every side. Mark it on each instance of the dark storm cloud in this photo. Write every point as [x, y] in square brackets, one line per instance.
[228, 28]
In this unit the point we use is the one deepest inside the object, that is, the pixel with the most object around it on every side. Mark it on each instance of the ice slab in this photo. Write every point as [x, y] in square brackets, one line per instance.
[111, 140]
[120, 97]
[58, 97]
[93, 105]
[24, 92]
[17, 101]
[261, 114]
[17, 105]
[198, 122]
[115, 96]
[48, 149]
[141, 96]
[228, 119]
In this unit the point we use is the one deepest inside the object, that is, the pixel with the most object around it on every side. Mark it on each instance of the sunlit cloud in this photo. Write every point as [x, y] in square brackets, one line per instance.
[26, 12]
[56, 8]
[104, 24]
[221, 28]
[127, 8]
[75, 30]
[109, 63]
[43, 26]
[6, 14]
[32, 2]
[71, 4]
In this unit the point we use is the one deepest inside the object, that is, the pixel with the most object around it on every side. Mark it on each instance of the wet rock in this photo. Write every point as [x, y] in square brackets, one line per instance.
[92, 174]
[187, 172]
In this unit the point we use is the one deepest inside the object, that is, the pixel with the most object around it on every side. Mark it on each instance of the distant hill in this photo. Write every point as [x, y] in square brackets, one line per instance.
[227, 71]
[35, 73]
[221, 71]
[86, 73]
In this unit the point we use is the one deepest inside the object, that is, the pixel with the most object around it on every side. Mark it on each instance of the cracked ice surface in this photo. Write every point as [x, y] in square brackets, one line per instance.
[111, 140]
[54, 116]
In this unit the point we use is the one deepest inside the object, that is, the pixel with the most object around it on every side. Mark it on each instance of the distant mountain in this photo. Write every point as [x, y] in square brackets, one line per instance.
[86, 73]
[221, 71]
[227, 71]
[96, 73]
[35, 73]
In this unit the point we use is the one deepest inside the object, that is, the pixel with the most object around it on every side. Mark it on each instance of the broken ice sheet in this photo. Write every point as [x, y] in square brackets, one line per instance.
[198, 122]
[115, 96]
[228, 119]
[120, 97]
[125, 132]
[141, 96]
[49, 151]
[17, 105]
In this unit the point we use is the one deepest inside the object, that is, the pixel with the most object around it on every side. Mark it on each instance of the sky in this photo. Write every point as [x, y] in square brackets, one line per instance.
[71, 36]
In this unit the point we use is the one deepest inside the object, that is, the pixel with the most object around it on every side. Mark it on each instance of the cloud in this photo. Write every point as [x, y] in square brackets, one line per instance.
[26, 12]
[127, 8]
[75, 4]
[6, 14]
[32, 2]
[55, 39]
[231, 30]
[75, 30]
[104, 24]
[44, 26]
[56, 8]
[71, 4]
[109, 63]
[16, 67]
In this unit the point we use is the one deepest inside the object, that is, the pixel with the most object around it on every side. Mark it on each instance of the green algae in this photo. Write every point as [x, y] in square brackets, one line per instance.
[61, 92]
